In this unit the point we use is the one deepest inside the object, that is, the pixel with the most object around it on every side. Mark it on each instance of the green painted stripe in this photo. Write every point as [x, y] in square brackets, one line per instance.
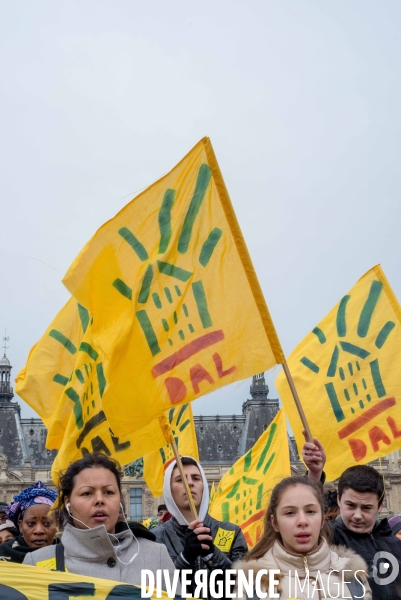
[352, 410]
[269, 462]
[319, 334]
[350, 369]
[377, 380]
[201, 303]
[273, 429]
[236, 510]
[84, 316]
[259, 497]
[178, 291]
[384, 333]
[165, 220]
[309, 364]
[171, 414]
[209, 245]
[85, 347]
[361, 404]
[368, 309]
[368, 397]
[156, 300]
[145, 287]
[147, 329]
[249, 480]
[331, 371]
[341, 371]
[234, 490]
[225, 511]
[355, 389]
[185, 425]
[175, 317]
[72, 395]
[173, 271]
[191, 328]
[180, 414]
[170, 341]
[346, 394]
[86, 369]
[79, 375]
[357, 365]
[60, 379]
[231, 471]
[341, 320]
[165, 325]
[202, 183]
[181, 334]
[135, 244]
[162, 454]
[93, 404]
[184, 308]
[248, 461]
[364, 384]
[60, 337]
[91, 388]
[168, 295]
[90, 367]
[238, 497]
[123, 288]
[335, 405]
[356, 350]
[101, 379]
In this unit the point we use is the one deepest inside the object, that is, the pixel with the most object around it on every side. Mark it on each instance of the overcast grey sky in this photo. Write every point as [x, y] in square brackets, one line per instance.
[301, 99]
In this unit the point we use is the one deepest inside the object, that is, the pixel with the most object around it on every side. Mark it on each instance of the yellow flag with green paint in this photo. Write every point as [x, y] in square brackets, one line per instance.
[178, 310]
[243, 493]
[347, 371]
[183, 430]
[64, 381]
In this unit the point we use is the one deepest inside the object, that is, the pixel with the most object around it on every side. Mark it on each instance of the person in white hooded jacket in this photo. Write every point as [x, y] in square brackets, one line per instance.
[295, 543]
[202, 544]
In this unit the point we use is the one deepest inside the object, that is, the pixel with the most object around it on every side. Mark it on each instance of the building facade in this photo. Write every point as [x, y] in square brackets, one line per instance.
[222, 439]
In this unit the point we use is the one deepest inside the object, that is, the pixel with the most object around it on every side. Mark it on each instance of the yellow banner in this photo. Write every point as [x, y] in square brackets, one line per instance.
[243, 493]
[348, 375]
[183, 430]
[64, 381]
[23, 582]
[178, 310]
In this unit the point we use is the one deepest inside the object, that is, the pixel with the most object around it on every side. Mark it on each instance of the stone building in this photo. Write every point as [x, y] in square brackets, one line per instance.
[222, 439]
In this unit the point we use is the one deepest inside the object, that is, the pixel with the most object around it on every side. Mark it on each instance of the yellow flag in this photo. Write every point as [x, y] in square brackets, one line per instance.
[244, 491]
[178, 310]
[348, 375]
[182, 426]
[63, 381]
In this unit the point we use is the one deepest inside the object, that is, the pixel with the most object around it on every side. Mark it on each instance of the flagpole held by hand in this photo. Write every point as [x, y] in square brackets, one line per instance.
[297, 402]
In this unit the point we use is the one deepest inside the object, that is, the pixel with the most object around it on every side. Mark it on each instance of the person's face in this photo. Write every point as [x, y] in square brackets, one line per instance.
[37, 526]
[5, 535]
[358, 510]
[398, 534]
[195, 484]
[3, 517]
[95, 499]
[161, 514]
[299, 519]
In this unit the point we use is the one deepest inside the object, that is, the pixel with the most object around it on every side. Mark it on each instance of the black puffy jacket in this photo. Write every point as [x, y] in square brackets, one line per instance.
[228, 539]
[367, 545]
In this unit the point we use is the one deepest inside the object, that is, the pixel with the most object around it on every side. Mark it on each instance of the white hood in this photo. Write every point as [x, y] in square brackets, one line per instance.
[168, 498]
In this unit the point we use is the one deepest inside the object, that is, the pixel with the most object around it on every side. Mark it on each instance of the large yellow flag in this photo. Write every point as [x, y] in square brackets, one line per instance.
[348, 375]
[243, 493]
[178, 310]
[64, 381]
[182, 426]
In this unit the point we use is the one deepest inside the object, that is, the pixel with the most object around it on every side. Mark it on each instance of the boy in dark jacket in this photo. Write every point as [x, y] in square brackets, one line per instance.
[202, 544]
[360, 498]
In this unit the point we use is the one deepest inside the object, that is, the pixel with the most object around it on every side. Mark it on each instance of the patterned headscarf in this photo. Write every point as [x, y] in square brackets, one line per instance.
[36, 494]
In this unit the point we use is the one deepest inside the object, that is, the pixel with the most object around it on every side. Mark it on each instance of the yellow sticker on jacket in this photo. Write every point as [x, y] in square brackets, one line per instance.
[49, 564]
[224, 539]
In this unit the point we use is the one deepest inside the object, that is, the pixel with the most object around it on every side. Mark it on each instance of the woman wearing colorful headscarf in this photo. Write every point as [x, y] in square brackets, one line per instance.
[29, 511]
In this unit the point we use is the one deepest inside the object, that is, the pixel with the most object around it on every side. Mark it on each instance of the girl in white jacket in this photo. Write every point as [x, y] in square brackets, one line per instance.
[295, 543]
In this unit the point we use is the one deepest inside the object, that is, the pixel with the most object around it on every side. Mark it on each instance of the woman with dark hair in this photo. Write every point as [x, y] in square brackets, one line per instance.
[95, 541]
[7, 532]
[296, 543]
[31, 514]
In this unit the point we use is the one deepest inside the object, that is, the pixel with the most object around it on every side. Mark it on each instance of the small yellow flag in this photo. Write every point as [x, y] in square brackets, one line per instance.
[63, 381]
[178, 310]
[348, 375]
[182, 426]
[243, 493]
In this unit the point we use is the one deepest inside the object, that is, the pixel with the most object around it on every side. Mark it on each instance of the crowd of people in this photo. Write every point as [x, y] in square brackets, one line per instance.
[334, 538]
